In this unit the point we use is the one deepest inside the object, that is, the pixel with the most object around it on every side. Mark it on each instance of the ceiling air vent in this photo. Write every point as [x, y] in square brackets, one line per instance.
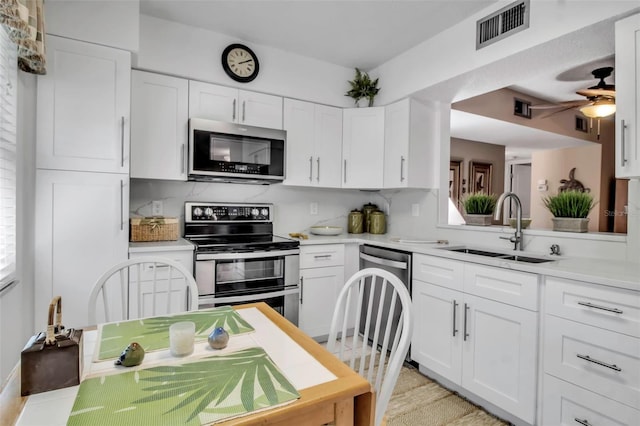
[503, 23]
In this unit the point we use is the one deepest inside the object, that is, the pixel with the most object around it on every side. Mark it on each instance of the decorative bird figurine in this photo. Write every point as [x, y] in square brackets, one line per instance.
[218, 338]
[131, 356]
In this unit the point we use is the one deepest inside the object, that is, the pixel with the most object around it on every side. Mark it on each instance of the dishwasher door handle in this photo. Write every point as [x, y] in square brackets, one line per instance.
[384, 262]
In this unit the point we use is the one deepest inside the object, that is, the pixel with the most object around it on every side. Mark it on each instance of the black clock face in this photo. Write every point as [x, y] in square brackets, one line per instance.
[240, 63]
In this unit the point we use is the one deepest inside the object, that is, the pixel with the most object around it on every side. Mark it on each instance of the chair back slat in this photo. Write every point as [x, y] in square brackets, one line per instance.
[381, 368]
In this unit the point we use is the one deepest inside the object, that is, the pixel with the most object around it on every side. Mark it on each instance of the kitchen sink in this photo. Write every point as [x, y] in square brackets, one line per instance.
[502, 256]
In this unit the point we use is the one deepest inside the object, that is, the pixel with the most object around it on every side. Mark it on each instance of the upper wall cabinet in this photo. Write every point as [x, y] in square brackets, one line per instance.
[159, 117]
[628, 97]
[406, 151]
[363, 148]
[83, 108]
[314, 142]
[222, 103]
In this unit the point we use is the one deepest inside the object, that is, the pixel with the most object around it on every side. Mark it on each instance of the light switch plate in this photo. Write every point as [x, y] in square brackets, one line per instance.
[415, 209]
[313, 208]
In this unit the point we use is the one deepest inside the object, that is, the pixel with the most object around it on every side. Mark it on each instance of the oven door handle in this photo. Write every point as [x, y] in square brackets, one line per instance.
[248, 255]
[249, 297]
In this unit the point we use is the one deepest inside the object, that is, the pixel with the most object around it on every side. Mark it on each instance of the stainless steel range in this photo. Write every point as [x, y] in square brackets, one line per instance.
[239, 260]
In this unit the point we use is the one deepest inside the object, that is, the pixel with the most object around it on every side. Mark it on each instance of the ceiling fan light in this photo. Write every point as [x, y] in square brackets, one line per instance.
[599, 109]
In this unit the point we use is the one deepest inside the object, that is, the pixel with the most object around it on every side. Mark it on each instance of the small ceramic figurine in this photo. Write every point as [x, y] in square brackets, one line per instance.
[218, 338]
[132, 355]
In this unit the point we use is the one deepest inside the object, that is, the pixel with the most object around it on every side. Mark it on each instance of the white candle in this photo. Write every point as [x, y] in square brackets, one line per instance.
[181, 336]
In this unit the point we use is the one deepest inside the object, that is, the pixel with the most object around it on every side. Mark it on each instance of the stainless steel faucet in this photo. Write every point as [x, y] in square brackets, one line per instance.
[517, 238]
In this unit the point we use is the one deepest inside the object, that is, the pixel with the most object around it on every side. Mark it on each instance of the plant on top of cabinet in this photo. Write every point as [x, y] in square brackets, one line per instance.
[479, 208]
[570, 210]
[362, 87]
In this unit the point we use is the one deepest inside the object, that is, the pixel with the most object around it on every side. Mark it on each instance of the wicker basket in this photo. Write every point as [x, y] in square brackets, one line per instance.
[154, 228]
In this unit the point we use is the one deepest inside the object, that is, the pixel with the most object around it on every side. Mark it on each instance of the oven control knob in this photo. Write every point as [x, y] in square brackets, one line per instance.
[264, 212]
[254, 212]
[208, 211]
[197, 211]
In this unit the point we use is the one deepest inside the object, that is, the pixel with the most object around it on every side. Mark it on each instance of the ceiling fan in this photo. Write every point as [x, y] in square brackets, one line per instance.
[600, 102]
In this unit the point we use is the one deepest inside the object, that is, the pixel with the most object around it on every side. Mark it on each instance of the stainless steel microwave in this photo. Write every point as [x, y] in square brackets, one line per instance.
[229, 152]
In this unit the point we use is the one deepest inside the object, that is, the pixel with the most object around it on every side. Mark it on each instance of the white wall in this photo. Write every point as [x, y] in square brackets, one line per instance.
[177, 49]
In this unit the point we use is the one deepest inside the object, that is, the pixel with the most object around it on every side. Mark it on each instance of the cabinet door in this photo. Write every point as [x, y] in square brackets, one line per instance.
[159, 116]
[299, 122]
[437, 334]
[328, 146]
[258, 109]
[627, 97]
[213, 102]
[363, 148]
[81, 232]
[396, 144]
[499, 355]
[83, 108]
[319, 289]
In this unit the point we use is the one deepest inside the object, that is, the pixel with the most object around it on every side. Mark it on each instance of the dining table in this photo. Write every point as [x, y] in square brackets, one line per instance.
[326, 390]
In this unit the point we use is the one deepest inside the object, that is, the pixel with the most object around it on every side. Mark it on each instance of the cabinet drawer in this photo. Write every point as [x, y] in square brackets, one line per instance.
[568, 405]
[439, 271]
[612, 308]
[322, 255]
[185, 258]
[512, 287]
[599, 360]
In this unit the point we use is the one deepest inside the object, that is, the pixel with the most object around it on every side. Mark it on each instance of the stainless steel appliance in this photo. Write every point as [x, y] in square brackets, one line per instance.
[239, 260]
[398, 263]
[229, 152]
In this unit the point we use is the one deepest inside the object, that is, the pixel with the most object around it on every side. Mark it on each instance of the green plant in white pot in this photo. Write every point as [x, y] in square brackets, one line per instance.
[362, 87]
[479, 209]
[570, 210]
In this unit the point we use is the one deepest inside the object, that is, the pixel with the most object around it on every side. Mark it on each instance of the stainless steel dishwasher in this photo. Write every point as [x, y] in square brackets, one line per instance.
[398, 263]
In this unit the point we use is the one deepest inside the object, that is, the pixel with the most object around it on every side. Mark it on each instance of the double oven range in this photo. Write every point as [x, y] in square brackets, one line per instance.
[239, 260]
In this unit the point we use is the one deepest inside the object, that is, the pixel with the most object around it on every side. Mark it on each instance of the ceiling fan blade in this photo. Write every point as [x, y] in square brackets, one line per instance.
[548, 114]
[593, 92]
[564, 105]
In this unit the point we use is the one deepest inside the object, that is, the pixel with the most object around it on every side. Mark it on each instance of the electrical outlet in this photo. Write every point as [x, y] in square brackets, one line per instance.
[313, 208]
[156, 208]
[415, 209]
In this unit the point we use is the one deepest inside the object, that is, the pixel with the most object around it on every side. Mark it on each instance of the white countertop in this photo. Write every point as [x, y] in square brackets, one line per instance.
[614, 273]
[179, 244]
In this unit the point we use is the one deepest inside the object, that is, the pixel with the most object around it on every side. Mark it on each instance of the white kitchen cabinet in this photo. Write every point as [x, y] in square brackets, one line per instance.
[627, 71]
[82, 230]
[83, 108]
[591, 352]
[314, 144]
[159, 126]
[406, 146]
[363, 148]
[321, 279]
[221, 103]
[485, 346]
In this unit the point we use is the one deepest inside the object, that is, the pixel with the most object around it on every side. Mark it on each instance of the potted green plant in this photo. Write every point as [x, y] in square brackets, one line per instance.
[479, 209]
[570, 210]
[362, 87]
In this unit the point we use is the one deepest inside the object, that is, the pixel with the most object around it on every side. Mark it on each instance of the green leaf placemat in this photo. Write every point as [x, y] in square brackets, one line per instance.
[209, 390]
[153, 333]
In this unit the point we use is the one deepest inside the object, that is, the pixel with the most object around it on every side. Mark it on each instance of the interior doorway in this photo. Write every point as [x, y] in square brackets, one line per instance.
[520, 183]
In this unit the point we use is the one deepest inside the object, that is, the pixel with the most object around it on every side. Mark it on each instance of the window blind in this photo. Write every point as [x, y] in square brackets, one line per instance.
[8, 158]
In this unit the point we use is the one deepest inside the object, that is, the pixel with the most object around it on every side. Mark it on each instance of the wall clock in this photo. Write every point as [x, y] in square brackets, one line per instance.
[240, 63]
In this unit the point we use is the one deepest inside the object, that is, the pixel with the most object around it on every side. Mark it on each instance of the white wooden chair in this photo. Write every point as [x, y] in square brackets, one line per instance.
[143, 287]
[381, 371]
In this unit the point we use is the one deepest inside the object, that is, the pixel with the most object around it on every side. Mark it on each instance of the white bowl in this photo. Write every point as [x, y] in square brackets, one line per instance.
[326, 230]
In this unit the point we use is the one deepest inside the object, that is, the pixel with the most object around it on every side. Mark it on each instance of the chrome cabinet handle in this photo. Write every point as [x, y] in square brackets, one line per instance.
[318, 171]
[401, 169]
[322, 256]
[595, 361]
[310, 169]
[345, 171]
[604, 308]
[584, 422]
[455, 306]
[122, 141]
[623, 155]
[243, 110]
[466, 309]
[301, 289]
[121, 205]
[183, 156]
[233, 110]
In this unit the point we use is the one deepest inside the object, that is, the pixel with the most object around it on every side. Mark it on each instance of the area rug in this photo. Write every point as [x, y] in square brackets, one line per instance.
[419, 401]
